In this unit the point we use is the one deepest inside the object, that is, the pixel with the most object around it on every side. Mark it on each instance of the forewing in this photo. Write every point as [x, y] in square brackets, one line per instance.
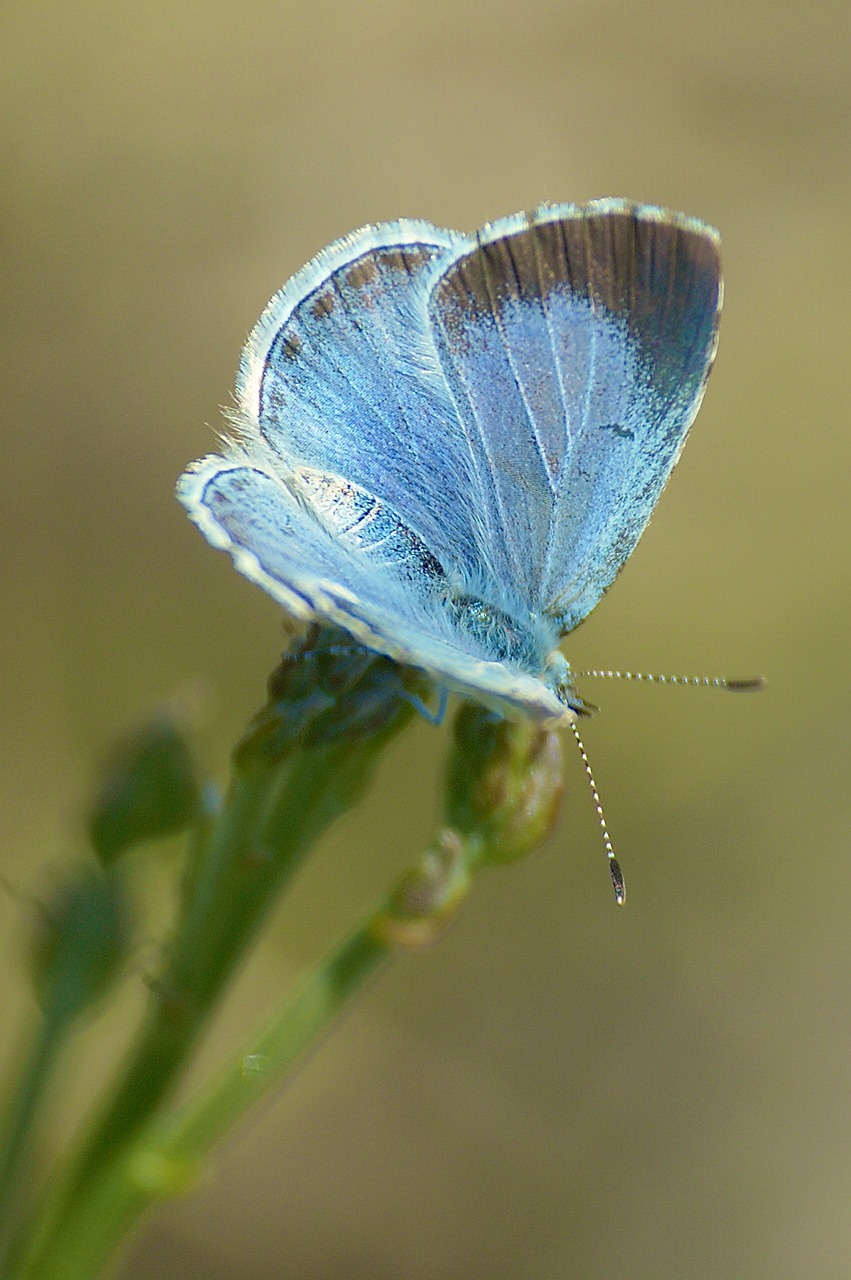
[576, 342]
[341, 376]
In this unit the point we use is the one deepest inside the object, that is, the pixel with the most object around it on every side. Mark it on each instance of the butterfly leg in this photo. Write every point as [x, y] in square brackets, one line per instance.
[433, 717]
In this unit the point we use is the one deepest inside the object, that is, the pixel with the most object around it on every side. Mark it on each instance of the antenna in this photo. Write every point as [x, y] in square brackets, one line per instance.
[614, 866]
[746, 685]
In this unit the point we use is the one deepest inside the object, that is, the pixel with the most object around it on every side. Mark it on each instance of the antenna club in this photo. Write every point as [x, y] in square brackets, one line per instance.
[617, 881]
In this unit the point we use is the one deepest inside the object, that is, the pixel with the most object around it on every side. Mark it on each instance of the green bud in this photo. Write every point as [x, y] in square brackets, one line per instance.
[427, 897]
[79, 945]
[327, 687]
[149, 789]
[504, 782]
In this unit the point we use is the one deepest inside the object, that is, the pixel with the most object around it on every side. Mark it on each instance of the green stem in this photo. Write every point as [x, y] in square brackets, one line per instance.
[165, 1158]
[269, 820]
[502, 790]
[198, 1125]
[25, 1099]
[222, 915]
[73, 960]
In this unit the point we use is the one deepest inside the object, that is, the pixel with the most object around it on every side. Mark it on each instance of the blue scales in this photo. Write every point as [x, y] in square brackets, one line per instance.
[448, 444]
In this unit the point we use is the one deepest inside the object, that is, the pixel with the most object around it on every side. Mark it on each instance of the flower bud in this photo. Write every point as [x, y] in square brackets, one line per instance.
[427, 897]
[79, 945]
[148, 789]
[327, 687]
[504, 782]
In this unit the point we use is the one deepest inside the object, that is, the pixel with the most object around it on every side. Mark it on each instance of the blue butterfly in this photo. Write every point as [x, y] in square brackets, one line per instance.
[448, 444]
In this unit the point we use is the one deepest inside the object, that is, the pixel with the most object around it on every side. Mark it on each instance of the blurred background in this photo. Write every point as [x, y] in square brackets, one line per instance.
[559, 1088]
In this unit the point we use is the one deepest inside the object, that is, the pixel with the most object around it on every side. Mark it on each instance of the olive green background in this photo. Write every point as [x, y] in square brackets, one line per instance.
[559, 1088]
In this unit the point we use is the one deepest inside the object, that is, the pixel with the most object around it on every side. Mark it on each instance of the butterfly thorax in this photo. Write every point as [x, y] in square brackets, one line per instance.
[500, 633]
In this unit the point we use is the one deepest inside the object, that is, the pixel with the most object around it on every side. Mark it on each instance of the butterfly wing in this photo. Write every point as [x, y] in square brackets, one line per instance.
[340, 376]
[576, 342]
[450, 444]
[367, 573]
[351, 494]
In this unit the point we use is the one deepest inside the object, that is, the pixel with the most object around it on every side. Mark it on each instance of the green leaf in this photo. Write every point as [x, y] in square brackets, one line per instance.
[79, 946]
[149, 789]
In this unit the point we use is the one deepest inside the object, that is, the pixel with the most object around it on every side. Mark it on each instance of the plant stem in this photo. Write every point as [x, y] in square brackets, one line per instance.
[195, 1128]
[275, 808]
[165, 1158]
[25, 1099]
[303, 763]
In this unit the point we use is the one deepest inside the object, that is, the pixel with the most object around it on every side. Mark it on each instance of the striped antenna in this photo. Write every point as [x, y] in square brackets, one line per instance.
[614, 866]
[706, 682]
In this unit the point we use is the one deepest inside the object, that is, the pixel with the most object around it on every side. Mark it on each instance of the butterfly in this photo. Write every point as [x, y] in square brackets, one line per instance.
[448, 444]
